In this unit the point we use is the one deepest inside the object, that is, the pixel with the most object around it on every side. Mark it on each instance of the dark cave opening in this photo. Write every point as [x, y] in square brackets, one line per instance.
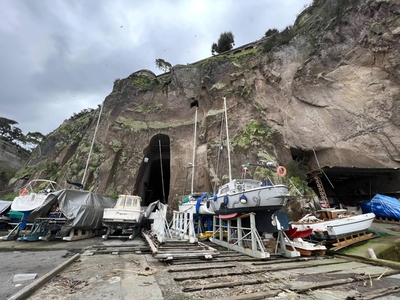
[348, 185]
[154, 174]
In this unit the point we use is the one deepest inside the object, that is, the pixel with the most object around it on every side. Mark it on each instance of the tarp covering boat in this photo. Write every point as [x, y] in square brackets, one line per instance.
[81, 209]
[382, 206]
[4, 206]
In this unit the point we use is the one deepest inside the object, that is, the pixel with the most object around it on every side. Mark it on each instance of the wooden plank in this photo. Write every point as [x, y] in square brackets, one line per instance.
[219, 285]
[254, 296]
[203, 276]
[342, 245]
[279, 261]
[302, 266]
[378, 293]
[150, 242]
[314, 286]
[201, 268]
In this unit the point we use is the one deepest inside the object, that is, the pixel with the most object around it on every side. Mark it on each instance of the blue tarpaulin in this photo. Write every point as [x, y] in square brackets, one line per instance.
[382, 206]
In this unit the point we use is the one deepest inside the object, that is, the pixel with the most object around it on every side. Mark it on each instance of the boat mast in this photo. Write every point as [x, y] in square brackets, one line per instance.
[162, 171]
[91, 147]
[227, 141]
[194, 148]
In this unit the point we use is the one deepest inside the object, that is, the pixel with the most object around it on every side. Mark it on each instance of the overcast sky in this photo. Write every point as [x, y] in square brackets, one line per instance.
[61, 56]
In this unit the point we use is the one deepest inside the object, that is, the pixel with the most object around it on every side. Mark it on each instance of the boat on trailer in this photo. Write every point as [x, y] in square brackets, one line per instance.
[68, 215]
[332, 223]
[124, 219]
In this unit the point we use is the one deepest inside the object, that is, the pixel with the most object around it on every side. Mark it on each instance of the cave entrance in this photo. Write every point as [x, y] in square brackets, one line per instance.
[347, 185]
[154, 174]
[350, 185]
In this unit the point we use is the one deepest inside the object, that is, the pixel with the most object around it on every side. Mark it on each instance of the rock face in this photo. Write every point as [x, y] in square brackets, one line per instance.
[10, 156]
[332, 88]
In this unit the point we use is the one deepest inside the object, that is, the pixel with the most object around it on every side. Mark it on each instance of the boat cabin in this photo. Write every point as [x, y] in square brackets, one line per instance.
[239, 185]
[128, 202]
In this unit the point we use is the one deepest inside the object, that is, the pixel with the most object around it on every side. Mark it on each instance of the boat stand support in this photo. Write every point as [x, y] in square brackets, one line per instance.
[13, 234]
[80, 234]
[110, 233]
[183, 225]
[38, 230]
[239, 238]
[283, 240]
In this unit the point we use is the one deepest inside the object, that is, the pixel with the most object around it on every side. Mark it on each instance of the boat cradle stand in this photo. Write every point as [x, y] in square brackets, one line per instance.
[16, 232]
[135, 231]
[183, 226]
[247, 240]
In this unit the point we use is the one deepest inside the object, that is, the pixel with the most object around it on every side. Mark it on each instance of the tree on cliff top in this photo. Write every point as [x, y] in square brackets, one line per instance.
[225, 42]
[14, 135]
[163, 65]
[8, 131]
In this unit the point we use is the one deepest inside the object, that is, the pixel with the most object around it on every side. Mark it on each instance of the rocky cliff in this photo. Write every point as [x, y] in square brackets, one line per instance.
[329, 84]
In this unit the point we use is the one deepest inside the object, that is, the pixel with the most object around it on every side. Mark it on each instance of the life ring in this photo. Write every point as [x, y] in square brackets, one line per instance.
[23, 192]
[281, 171]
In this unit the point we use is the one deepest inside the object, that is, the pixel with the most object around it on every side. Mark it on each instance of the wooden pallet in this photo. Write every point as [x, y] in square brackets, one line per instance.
[350, 240]
[387, 220]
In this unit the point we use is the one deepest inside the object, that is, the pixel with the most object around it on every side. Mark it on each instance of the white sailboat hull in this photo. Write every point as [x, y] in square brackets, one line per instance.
[260, 198]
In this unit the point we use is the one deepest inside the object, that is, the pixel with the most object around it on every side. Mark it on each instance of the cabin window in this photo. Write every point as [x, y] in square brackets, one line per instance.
[121, 202]
[134, 202]
[224, 190]
[128, 202]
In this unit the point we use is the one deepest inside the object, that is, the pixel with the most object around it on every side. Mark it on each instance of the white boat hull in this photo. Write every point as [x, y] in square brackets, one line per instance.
[333, 229]
[261, 198]
[190, 207]
[112, 215]
[28, 202]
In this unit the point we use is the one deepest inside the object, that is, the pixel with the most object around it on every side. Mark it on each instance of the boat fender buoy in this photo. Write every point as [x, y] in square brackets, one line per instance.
[226, 200]
[243, 199]
[215, 197]
[23, 192]
[281, 171]
[208, 204]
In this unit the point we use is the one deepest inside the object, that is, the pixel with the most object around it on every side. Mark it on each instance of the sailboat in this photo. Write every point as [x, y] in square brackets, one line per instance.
[195, 202]
[243, 195]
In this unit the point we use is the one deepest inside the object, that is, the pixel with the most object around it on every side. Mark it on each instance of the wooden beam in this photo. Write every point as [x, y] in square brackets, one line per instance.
[203, 276]
[219, 285]
[254, 296]
[150, 242]
[201, 268]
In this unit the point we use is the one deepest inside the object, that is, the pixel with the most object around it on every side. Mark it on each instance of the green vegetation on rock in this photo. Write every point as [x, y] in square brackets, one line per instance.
[254, 134]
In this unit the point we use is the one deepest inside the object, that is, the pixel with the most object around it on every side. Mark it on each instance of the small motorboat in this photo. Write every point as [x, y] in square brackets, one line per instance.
[334, 223]
[124, 219]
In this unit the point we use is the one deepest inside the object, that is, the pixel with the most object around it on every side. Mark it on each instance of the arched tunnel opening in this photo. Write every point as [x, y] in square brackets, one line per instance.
[154, 174]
